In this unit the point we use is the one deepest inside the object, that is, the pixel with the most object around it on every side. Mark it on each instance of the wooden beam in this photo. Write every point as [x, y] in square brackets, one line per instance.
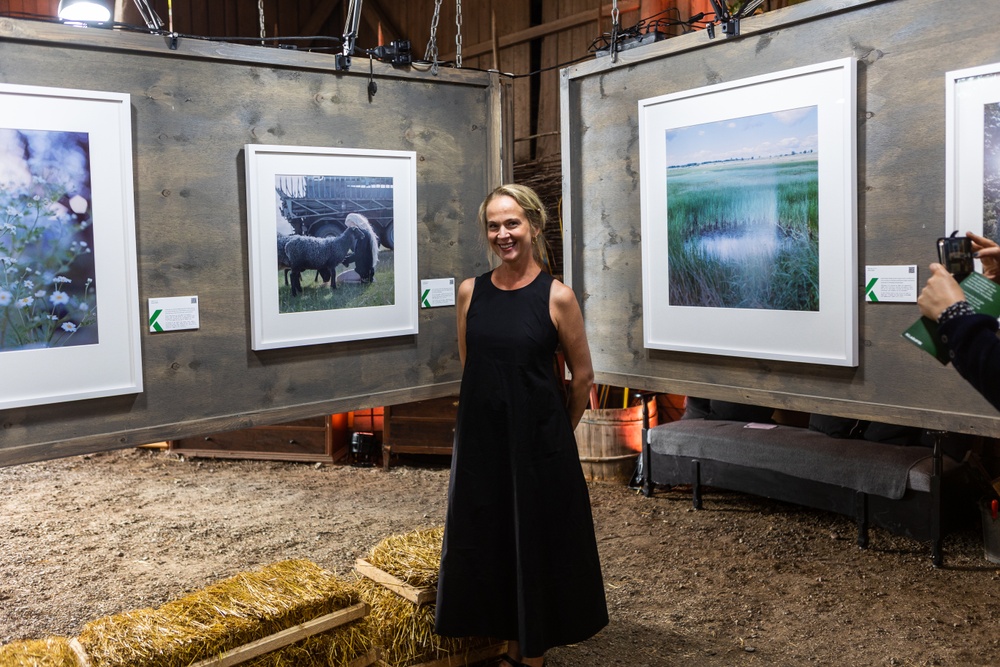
[286, 637]
[324, 10]
[376, 15]
[544, 30]
[417, 596]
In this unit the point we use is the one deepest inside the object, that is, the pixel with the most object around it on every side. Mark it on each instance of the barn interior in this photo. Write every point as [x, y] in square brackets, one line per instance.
[228, 417]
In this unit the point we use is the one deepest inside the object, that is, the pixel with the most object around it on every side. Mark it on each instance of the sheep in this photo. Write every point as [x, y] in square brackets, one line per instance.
[366, 252]
[307, 252]
[283, 260]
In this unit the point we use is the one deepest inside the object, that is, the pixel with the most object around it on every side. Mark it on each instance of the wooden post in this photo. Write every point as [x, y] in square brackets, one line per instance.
[494, 39]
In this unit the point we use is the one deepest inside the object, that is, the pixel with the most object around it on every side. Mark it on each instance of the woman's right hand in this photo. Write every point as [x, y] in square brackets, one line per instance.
[988, 252]
[940, 292]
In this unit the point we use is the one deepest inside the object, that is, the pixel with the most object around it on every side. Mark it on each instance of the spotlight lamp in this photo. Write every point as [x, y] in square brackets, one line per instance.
[92, 11]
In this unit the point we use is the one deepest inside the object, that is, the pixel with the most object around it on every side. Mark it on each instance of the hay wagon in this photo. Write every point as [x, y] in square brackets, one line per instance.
[318, 205]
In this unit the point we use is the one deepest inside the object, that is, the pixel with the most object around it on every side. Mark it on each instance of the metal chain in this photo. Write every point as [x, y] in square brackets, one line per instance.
[260, 12]
[431, 54]
[458, 33]
[614, 31]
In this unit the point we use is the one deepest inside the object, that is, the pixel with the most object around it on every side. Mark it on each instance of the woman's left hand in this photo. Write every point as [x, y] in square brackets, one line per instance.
[941, 291]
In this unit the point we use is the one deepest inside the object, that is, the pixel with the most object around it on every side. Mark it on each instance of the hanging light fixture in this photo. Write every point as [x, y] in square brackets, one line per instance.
[98, 11]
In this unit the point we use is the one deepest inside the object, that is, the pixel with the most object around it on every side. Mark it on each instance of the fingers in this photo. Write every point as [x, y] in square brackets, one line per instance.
[940, 292]
[938, 269]
[981, 240]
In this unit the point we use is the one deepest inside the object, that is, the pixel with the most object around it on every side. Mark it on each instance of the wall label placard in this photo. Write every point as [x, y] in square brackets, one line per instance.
[437, 292]
[176, 313]
[896, 283]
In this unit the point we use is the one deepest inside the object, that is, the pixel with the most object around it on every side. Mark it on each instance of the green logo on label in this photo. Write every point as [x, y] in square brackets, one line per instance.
[870, 290]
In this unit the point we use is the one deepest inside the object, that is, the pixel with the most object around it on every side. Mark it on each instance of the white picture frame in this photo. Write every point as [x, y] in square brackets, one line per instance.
[972, 169]
[276, 175]
[66, 169]
[735, 125]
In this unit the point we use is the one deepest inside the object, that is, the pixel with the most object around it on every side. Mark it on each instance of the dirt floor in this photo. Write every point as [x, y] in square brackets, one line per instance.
[743, 582]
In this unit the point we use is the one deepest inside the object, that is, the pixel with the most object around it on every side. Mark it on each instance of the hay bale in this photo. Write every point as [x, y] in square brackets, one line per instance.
[414, 557]
[403, 631]
[48, 652]
[224, 616]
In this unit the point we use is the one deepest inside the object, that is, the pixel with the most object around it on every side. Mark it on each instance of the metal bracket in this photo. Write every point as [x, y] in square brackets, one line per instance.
[149, 16]
[351, 23]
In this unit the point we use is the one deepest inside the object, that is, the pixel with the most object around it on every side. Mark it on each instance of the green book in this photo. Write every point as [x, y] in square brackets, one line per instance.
[982, 294]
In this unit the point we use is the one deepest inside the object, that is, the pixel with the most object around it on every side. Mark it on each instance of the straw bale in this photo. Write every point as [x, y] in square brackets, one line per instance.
[414, 557]
[48, 652]
[335, 648]
[224, 616]
[405, 632]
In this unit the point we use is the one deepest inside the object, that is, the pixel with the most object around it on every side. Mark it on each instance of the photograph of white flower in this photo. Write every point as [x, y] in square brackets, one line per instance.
[334, 242]
[332, 238]
[68, 275]
[743, 212]
[48, 293]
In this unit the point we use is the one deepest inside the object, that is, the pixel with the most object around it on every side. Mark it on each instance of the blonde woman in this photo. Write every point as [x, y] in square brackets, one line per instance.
[519, 560]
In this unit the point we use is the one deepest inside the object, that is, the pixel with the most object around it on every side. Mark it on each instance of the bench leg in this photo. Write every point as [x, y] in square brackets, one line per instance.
[647, 473]
[937, 468]
[696, 484]
[861, 517]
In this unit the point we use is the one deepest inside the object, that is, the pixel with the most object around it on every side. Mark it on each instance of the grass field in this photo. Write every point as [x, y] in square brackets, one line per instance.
[317, 295]
[745, 234]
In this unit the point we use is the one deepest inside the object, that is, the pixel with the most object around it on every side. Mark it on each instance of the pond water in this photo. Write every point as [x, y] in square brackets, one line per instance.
[755, 245]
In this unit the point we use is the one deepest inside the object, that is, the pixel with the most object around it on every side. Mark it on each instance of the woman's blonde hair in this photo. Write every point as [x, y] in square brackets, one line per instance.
[534, 211]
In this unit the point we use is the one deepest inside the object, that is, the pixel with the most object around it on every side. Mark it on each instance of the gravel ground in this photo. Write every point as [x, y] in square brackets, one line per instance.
[744, 582]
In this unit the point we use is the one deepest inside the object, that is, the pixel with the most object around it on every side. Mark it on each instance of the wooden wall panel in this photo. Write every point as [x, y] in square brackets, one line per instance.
[901, 169]
[193, 110]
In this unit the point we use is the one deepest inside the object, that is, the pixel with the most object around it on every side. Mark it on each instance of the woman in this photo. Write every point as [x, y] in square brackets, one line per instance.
[519, 560]
[971, 338]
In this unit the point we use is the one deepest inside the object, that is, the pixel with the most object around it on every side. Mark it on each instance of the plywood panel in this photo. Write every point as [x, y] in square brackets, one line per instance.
[193, 110]
[901, 205]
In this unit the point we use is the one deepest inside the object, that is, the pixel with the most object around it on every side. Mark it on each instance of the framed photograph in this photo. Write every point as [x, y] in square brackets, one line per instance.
[69, 306]
[749, 216]
[333, 248]
[972, 162]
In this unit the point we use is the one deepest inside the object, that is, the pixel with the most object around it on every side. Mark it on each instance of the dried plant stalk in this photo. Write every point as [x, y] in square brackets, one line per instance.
[413, 557]
[224, 616]
[48, 652]
[403, 630]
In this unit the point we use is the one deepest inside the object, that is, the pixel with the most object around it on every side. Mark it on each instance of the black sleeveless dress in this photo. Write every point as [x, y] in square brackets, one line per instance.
[519, 559]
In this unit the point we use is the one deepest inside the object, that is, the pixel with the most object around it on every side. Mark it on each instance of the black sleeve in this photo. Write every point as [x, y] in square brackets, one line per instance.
[975, 352]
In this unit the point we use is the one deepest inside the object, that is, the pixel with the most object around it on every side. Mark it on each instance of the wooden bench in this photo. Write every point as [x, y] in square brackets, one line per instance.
[896, 487]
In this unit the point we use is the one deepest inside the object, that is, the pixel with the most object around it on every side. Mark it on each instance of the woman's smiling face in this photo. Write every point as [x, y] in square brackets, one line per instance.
[508, 230]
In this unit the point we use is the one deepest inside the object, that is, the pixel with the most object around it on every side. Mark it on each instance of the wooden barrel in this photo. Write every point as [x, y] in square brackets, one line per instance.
[609, 442]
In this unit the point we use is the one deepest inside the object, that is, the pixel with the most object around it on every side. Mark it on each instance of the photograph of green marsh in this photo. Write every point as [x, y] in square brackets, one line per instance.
[743, 212]
[991, 170]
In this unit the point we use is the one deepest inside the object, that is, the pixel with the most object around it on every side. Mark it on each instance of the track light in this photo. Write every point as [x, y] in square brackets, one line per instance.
[98, 11]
